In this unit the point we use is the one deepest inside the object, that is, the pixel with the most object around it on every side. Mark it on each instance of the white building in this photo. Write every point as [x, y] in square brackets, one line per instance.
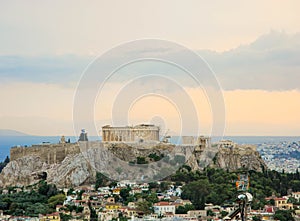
[161, 208]
[296, 195]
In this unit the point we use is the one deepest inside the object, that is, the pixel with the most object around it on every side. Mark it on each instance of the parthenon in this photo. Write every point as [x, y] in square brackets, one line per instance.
[138, 133]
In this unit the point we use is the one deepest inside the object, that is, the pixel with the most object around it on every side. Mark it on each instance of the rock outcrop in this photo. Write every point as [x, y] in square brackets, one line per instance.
[21, 172]
[241, 156]
[28, 170]
[112, 159]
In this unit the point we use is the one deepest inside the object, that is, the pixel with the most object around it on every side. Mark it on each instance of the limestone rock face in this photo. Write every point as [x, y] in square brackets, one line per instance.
[112, 160]
[202, 158]
[239, 157]
[80, 168]
[231, 159]
[74, 170]
[22, 171]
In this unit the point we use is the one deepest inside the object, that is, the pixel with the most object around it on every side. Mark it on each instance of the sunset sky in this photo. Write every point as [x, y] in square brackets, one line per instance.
[253, 47]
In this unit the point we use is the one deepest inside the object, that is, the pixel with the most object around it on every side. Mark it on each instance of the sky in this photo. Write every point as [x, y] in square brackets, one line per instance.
[252, 47]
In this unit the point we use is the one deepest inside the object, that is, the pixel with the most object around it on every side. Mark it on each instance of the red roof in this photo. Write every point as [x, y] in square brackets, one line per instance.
[53, 214]
[280, 198]
[269, 209]
[162, 203]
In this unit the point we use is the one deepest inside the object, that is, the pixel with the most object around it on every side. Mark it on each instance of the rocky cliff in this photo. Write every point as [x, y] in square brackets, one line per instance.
[241, 156]
[28, 170]
[112, 160]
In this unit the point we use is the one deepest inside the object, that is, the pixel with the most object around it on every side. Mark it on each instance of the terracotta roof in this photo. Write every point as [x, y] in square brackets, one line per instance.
[163, 203]
[280, 198]
[53, 214]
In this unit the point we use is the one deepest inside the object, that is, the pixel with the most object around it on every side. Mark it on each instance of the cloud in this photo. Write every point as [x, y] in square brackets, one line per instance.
[39, 27]
[62, 70]
[272, 62]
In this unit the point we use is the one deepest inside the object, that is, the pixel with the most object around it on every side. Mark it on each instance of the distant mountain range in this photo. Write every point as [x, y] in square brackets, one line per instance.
[11, 133]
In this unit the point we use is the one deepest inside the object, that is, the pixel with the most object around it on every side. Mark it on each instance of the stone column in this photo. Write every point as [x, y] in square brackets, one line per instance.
[103, 135]
[106, 135]
[110, 136]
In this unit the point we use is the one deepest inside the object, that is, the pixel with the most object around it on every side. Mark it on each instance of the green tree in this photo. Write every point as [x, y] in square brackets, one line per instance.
[4, 205]
[293, 200]
[210, 213]
[184, 209]
[47, 189]
[6, 160]
[164, 186]
[271, 202]
[224, 213]
[93, 214]
[37, 208]
[152, 198]
[153, 185]
[256, 218]
[197, 192]
[65, 217]
[4, 163]
[283, 215]
[100, 180]
[145, 207]
[70, 191]
[79, 209]
[141, 160]
[56, 200]
[124, 193]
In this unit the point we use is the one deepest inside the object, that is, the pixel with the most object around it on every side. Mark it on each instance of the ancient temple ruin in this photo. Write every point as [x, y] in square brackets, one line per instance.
[138, 133]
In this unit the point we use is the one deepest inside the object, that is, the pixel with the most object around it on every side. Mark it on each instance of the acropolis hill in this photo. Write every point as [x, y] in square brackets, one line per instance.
[143, 136]
[65, 164]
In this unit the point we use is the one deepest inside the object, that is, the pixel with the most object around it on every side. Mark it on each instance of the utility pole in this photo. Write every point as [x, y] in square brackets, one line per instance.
[244, 198]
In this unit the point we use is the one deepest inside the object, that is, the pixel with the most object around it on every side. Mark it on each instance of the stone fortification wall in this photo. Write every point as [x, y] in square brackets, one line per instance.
[49, 153]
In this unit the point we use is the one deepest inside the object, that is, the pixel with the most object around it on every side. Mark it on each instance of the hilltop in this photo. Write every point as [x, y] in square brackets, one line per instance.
[68, 165]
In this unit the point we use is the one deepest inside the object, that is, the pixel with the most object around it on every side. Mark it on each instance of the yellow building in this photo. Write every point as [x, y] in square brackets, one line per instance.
[113, 206]
[282, 203]
[116, 191]
[51, 217]
[267, 216]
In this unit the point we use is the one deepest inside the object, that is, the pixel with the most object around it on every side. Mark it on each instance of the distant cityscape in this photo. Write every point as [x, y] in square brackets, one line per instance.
[282, 156]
